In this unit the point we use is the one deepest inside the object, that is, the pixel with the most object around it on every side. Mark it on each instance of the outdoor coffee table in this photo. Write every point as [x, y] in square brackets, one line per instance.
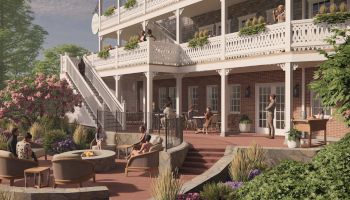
[37, 171]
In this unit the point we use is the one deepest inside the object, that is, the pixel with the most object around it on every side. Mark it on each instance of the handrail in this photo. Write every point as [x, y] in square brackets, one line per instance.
[110, 100]
[84, 89]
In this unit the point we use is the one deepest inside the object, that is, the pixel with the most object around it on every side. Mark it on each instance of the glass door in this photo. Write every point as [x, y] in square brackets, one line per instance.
[263, 92]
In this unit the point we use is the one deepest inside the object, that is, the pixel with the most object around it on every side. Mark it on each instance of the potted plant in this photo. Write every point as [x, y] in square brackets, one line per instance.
[294, 138]
[244, 124]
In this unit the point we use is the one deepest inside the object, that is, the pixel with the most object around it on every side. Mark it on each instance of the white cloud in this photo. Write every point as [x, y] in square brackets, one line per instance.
[67, 8]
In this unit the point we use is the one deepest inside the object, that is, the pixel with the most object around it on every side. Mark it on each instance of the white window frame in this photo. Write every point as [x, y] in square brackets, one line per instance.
[162, 97]
[209, 91]
[232, 98]
[244, 18]
[193, 100]
[312, 96]
[312, 2]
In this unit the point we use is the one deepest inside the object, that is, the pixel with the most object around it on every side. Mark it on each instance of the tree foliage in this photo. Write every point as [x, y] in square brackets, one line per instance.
[332, 79]
[50, 65]
[34, 97]
[20, 39]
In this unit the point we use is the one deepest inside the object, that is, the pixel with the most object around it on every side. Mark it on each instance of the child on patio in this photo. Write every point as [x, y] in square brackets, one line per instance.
[145, 147]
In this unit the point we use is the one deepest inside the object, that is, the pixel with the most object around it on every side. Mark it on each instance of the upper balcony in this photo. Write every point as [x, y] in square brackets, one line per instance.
[305, 36]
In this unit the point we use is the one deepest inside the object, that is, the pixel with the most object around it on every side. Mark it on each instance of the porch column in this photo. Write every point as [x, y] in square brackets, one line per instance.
[144, 86]
[223, 28]
[179, 94]
[100, 3]
[289, 18]
[117, 86]
[288, 71]
[149, 76]
[224, 100]
[178, 13]
[100, 43]
[119, 40]
[303, 107]
[144, 25]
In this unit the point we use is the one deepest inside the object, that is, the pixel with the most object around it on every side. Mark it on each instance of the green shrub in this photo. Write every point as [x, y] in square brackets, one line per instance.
[217, 191]
[3, 142]
[166, 186]
[332, 18]
[240, 167]
[294, 134]
[257, 157]
[132, 43]
[79, 137]
[252, 29]
[129, 4]
[52, 137]
[245, 120]
[109, 11]
[104, 53]
[200, 39]
[37, 131]
[326, 177]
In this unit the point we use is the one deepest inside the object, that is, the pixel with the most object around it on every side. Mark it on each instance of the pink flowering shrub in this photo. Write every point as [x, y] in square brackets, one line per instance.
[29, 98]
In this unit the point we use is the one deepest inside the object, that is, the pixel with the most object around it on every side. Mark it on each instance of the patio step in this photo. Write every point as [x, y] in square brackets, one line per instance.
[200, 159]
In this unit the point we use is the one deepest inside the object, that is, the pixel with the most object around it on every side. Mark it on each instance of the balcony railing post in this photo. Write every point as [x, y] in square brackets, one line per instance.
[149, 51]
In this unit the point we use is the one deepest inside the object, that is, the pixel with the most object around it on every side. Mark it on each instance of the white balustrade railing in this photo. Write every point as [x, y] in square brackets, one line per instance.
[135, 11]
[209, 52]
[305, 36]
[108, 98]
[90, 98]
[270, 41]
[152, 5]
[309, 36]
[97, 61]
[163, 53]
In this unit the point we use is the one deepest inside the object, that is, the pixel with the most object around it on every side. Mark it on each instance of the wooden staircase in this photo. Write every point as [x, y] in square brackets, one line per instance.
[198, 160]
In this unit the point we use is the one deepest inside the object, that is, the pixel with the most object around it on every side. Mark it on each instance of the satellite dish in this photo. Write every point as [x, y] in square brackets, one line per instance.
[95, 24]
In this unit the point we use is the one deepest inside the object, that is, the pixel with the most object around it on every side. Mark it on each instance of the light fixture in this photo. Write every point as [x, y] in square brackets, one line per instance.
[247, 92]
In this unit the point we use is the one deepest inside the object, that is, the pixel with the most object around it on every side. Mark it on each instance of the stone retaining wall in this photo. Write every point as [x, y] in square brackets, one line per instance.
[173, 158]
[219, 171]
[85, 193]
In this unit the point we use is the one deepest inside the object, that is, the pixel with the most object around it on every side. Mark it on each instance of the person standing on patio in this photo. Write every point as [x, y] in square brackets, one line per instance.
[270, 115]
[12, 142]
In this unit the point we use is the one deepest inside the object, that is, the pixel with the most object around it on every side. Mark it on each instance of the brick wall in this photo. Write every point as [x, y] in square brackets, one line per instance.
[335, 127]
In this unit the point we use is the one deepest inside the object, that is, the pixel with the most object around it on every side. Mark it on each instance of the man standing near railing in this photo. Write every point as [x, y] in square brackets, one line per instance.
[81, 67]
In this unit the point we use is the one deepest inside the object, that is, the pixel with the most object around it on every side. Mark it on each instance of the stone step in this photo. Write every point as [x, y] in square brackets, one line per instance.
[192, 171]
[197, 165]
[206, 150]
[205, 154]
[201, 159]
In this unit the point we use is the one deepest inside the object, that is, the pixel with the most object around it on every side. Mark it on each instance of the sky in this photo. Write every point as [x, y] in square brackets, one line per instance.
[66, 21]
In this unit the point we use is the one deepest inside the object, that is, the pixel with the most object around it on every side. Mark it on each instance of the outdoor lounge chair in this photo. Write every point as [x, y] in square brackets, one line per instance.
[13, 168]
[71, 170]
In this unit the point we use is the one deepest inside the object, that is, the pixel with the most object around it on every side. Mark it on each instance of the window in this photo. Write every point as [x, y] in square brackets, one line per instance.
[212, 97]
[172, 95]
[162, 97]
[317, 107]
[235, 99]
[193, 96]
[314, 6]
[243, 19]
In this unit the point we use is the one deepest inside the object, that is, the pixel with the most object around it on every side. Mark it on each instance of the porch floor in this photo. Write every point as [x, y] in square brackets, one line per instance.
[137, 185]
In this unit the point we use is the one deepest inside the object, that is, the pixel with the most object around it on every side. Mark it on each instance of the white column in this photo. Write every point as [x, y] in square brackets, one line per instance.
[303, 9]
[223, 28]
[178, 13]
[224, 100]
[144, 103]
[119, 40]
[179, 94]
[303, 107]
[149, 76]
[144, 25]
[100, 43]
[288, 71]
[100, 3]
[117, 86]
[289, 18]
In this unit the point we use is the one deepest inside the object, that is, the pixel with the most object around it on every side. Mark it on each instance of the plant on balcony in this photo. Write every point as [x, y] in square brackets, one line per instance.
[133, 43]
[109, 11]
[104, 53]
[334, 16]
[253, 27]
[200, 39]
[130, 4]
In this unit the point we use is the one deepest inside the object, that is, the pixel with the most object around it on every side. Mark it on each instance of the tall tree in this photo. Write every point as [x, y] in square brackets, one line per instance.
[50, 65]
[20, 39]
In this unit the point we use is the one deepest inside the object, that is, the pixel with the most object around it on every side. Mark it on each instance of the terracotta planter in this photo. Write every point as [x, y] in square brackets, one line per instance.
[244, 128]
[293, 144]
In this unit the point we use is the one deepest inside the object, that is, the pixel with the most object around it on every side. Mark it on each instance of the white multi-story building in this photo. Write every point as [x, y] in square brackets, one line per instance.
[232, 74]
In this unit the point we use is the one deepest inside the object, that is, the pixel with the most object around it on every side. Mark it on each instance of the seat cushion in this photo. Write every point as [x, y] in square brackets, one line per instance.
[156, 140]
[157, 147]
[110, 138]
[39, 152]
[6, 154]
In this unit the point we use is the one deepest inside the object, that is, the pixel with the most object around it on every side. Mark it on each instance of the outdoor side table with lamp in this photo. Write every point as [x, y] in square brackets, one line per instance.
[310, 126]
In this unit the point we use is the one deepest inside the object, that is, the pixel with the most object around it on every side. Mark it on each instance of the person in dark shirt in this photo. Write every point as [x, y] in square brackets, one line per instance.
[12, 142]
[81, 67]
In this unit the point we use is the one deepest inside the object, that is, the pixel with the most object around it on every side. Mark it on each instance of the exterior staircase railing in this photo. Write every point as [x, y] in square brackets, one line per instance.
[69, 68]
